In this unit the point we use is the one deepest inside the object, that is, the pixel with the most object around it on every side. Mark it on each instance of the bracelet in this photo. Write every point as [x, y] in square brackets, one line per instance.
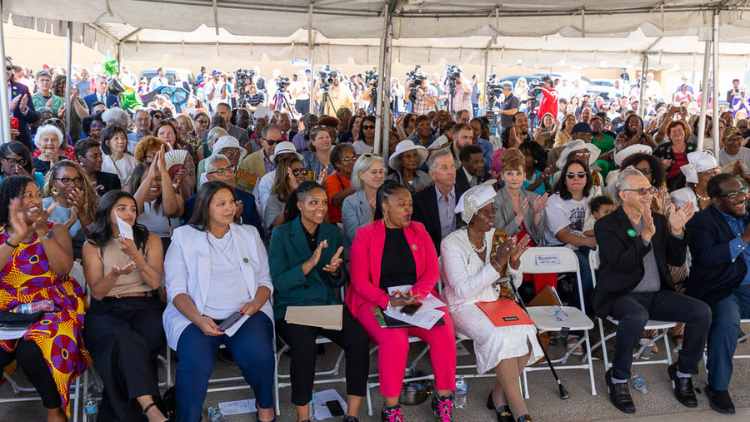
[7, 242]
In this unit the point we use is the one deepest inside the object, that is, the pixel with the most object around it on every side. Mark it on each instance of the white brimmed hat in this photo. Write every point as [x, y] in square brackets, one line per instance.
[577, 145]
[620, 156]
[475, 199]
[285, 147]
[698, 162]
[228, 141]
[406, 146]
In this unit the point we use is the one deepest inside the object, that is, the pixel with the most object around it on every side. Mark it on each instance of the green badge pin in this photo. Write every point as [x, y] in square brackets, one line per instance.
[632, 233]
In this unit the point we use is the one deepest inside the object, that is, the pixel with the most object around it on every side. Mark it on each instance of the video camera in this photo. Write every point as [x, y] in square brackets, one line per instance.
[327, 76]
[282, 83]
[415, 79]
[452, 74]
[242, 77]
[494, 90]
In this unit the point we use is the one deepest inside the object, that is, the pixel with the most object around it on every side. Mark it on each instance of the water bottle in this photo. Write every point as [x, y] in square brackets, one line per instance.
[34, 307]
[214, 414]
[639, 384]
[90, 408]
[647, 348]
[462, 391]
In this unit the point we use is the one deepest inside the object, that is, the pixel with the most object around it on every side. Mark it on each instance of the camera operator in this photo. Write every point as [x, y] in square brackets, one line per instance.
[508, 107]
[249, 97]
[417, 93]
[461, 95]
[282, 99]
[339, 95]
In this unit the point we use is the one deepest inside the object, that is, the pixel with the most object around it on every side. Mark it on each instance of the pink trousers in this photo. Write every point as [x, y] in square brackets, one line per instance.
[393, 351]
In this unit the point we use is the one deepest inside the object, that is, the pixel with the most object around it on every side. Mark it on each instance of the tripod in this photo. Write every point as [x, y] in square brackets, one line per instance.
[326, 100]
[280, 103]
[563, 392]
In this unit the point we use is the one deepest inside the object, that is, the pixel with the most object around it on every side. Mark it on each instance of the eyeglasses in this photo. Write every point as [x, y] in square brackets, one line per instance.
[645, 171]
[348, 159]
[69, 180]
[736, 196]
[367, 127]
[576, 175]
[643, 191]
[300, 172]
[272, 141]
[16, 162]
[222, 171]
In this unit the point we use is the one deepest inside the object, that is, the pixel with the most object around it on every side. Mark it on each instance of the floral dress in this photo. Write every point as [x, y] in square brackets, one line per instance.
[27, 277]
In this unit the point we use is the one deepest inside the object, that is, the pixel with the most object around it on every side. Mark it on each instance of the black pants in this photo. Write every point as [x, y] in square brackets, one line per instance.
[301, 340]
[32, 362]
[633, 311]
[125, 337]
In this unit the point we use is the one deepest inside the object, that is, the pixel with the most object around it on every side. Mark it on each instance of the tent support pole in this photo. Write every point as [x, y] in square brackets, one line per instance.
[387, 93]
[384, 40]
[69, 73]
[310, 55]
[715, 121]
[705, 96]
[644, 69]
[4, 105]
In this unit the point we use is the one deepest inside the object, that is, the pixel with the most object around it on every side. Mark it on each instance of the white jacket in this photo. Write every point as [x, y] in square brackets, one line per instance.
[188, 270]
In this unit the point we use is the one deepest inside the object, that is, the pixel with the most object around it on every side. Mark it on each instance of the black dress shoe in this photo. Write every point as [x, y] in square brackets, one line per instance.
[683, 388]
[720, 401]
[619, 394]
[503, 413]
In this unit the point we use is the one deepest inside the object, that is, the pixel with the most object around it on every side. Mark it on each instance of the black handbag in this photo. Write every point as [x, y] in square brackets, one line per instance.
[13, 320]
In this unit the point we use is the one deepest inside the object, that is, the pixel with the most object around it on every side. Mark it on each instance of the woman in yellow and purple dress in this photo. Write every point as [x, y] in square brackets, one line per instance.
[36, 257]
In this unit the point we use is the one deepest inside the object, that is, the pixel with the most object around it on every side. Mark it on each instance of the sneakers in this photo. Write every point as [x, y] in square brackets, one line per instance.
[392, 414]
[442, 408]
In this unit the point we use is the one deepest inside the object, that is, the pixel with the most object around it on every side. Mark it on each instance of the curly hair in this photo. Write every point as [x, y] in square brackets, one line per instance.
[146, 144]
[90, 199]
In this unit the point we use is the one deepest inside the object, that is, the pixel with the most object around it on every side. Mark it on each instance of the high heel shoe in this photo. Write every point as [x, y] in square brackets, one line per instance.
[503, 413]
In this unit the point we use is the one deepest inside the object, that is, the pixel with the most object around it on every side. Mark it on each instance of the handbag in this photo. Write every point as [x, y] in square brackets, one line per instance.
[14, 320]
[504, 313]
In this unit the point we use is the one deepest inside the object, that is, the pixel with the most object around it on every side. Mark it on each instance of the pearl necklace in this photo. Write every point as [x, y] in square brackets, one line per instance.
[479, 250]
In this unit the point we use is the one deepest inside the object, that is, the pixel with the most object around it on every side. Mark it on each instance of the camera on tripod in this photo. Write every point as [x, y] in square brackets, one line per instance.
[415, 79]
[452, 74]
[242, 78]
[327, 76]
[494, 90]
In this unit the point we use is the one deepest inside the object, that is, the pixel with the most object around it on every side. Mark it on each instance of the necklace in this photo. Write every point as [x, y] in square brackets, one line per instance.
[481, 249]
[701, 197]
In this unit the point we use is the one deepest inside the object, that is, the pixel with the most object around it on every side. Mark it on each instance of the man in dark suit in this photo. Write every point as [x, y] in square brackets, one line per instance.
[101, 95]
[635, 248]
[719, 237]
[471, 172]
[21, 107]
[435, 206]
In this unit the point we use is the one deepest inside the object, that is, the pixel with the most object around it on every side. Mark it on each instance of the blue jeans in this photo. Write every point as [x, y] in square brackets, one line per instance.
[252, 350]
[582, 253]
[722, 339]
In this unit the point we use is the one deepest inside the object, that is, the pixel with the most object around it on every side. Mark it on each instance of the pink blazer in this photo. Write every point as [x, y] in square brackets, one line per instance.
[367, 256]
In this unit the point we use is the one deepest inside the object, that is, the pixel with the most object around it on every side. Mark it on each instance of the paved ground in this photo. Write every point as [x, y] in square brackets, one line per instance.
[657, 405]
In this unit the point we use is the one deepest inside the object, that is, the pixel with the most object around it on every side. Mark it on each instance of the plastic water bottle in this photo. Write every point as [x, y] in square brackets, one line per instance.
[462, 391]
[91, 408]
[639, 384]
[214, 415]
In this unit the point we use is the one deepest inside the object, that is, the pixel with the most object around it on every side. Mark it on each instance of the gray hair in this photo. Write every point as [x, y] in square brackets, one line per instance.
[47, 130]
[363, 163]
[213, 159]
[214, 134]
[622, 178]
[116, 117]
[431, 162]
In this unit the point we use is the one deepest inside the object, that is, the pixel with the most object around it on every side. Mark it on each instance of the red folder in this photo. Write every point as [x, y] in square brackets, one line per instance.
[505, 313]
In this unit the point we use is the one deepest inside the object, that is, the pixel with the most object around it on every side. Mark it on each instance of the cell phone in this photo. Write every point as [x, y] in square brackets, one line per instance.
[411, 309]
[335, 408]
[230, 321]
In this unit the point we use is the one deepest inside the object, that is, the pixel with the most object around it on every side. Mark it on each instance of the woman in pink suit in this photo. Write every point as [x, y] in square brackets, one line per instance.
[395, 251]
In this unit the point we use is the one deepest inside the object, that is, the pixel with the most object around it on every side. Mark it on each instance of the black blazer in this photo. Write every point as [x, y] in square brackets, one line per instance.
[713, 273]
[462, 181]
[621, 257]
[24, 120]
[426, 211]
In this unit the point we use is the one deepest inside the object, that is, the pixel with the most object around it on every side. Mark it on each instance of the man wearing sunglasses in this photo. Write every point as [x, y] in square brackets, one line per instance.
[719, 237]
[260, 162]
[636, 247]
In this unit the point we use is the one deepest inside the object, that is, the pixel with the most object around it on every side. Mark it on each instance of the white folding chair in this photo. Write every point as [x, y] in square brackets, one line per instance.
[742, 339]
[545, 260]
[661, 327]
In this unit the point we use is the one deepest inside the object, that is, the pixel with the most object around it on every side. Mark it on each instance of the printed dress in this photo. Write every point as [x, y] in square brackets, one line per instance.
[25, 278]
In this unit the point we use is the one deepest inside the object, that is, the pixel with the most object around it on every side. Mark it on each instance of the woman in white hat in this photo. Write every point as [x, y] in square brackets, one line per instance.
[585, 152]
[701, 167]
[405, 163]
[476, 261]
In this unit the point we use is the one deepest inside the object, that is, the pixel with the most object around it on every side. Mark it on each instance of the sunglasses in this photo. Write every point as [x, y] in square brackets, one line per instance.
[300, 172]
[16, 162]
[736, 196]
[576, 175]
[222, 171]
[366, 127]
[69, 180]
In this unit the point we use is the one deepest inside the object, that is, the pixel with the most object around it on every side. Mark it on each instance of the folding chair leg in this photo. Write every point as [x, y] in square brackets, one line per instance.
[419, 357]
[525, 385]
[604, 345]
[85, 392]
[669, 350]
[590, 364]
[369, 401]
[276, 382]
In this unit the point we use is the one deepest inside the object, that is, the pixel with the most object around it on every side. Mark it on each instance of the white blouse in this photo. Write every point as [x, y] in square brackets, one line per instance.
[123, 167]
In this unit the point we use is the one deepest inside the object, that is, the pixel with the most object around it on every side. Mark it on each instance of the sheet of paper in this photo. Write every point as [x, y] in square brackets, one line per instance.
[429, 302]
[126, 231]
[8, 334]
[328, 317]
[233, 329]
[238, 407]
[320, 410]
[423, 318]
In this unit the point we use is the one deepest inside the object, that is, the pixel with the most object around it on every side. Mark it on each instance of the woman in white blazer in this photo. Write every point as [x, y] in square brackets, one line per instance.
[214, 269]
[473, 271]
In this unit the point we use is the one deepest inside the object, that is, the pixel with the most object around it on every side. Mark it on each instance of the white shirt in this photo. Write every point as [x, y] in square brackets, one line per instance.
[123, 167]
[561, 213]
[360, 147]
[262, 190]
[743, 155]
[155, 220]
[228, 291]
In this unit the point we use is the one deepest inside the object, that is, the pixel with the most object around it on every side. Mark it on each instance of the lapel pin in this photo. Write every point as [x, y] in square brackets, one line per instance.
[245, 260]
[632, 233]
